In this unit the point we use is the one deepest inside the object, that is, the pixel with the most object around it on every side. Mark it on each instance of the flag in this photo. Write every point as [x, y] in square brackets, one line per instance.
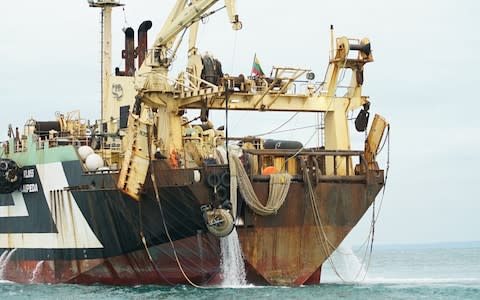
[256, 68]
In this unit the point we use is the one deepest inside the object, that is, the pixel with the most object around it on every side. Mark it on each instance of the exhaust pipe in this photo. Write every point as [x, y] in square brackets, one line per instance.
[129, 54]
[142, 41]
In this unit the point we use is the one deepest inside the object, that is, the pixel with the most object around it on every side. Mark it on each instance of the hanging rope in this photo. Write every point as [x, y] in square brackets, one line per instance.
[327, 246]
[278, 189]
[368, 242]
[144, 242]
[157, 197]
[233, 187]
[375, 215]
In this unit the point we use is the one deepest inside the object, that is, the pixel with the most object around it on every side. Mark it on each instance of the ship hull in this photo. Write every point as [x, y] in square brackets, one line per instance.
[290, 247]
[78, 227]
[158, 265]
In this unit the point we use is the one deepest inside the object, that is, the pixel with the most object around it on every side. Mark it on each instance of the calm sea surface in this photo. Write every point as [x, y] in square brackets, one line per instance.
[393, 273]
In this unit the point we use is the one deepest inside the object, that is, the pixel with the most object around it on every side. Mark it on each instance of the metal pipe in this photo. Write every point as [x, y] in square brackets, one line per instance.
[142, 41]
[129, 53]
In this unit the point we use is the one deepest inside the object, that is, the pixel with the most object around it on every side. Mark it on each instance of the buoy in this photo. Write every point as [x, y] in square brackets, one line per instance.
[269, 170]
[84, 152]
[93, 162]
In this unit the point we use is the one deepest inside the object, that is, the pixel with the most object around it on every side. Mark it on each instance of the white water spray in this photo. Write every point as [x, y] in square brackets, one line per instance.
[36, 272]
[3, 263]
[348, 265]
[4, 258]
[232, 266]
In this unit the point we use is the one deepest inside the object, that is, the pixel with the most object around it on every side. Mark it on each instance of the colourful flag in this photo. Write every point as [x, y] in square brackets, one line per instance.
[256, 68]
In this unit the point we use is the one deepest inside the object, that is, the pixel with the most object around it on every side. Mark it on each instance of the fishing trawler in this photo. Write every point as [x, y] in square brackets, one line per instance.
[144, 195]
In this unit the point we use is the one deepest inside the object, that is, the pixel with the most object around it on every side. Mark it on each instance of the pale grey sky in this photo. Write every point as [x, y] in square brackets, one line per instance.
[424, 81]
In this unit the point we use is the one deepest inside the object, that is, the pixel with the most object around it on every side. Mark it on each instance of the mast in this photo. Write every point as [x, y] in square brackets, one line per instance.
[106, 6]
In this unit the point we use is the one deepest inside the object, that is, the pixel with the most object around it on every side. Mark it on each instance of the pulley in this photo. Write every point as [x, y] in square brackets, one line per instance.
[361, 122]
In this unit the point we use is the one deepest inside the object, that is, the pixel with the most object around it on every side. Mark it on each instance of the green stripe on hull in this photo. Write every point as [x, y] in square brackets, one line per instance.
[33, 156]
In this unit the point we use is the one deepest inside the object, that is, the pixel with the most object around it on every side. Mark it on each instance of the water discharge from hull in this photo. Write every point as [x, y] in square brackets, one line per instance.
[232, 265]
[3, 263]
[37, 272]
[4, 259]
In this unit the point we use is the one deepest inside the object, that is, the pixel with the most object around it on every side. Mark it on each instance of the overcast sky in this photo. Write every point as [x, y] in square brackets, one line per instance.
[424, 81]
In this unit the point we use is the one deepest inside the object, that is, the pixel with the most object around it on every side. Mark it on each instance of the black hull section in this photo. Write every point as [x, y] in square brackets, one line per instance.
[118, 223]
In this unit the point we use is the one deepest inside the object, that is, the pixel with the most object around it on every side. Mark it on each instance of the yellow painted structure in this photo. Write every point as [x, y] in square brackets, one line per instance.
[164, 97]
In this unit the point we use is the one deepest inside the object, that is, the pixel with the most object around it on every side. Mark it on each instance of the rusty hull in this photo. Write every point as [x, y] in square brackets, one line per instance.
[198, 256]
[285, 248]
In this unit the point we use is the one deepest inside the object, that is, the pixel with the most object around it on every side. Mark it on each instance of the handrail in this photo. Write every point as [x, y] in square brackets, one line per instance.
[328, 165]
[284, 152]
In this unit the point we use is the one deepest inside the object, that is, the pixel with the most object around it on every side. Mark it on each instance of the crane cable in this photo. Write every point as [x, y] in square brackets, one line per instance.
[281, 125]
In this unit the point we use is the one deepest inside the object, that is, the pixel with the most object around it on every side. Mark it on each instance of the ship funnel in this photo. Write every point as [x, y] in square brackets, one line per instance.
[128, 54]
[142, 41]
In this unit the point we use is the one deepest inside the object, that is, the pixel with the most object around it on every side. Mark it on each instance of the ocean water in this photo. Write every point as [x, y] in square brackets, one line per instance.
[434, 272]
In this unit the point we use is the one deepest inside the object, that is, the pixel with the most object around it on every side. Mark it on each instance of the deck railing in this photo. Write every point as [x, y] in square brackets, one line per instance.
[323, 165]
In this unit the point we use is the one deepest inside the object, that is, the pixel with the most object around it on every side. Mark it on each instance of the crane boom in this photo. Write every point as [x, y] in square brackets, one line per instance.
[182, 16]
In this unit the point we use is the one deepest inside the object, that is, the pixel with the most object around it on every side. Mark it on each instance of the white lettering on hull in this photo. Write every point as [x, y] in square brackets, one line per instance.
[30, 188]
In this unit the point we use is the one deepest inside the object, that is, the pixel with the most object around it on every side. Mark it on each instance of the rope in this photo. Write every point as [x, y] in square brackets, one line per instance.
[157, 197]
[321, 234]
[300, 150]
[368, 242]
[375, 218]
[386, 142]
[295, 129]
[283, 124]
[233, 187]
[144, 242]
[278, 189]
